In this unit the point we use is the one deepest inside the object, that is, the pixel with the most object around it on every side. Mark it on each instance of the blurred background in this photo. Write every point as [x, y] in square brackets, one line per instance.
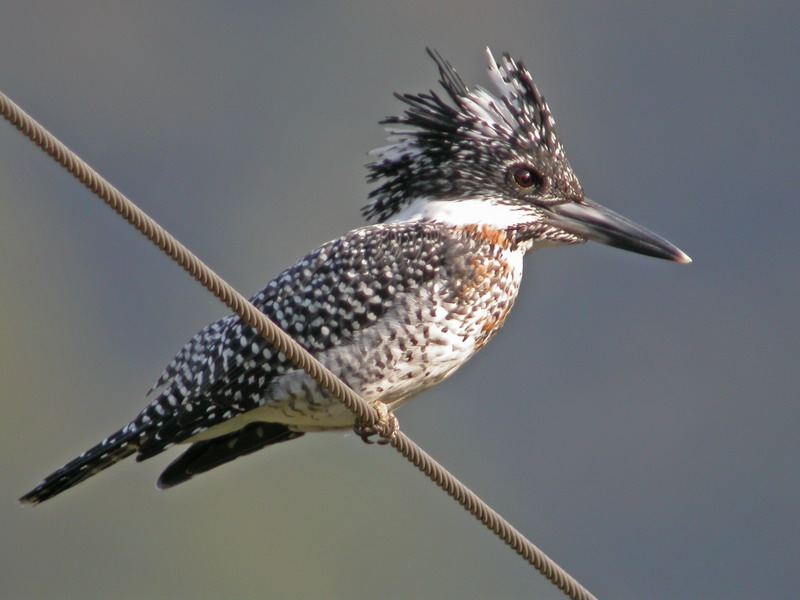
[637, 419]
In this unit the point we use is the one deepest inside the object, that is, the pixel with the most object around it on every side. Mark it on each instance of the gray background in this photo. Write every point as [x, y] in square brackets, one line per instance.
[637, 419]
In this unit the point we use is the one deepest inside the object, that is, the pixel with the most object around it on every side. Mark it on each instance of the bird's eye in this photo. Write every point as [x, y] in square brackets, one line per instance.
[525, 176]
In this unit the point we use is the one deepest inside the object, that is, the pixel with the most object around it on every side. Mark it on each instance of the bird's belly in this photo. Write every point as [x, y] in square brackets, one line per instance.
[425, 339]
[382, 364]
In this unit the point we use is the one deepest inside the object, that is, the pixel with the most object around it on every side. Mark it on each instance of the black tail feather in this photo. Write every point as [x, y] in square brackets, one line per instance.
[91, 462]
[207, 454]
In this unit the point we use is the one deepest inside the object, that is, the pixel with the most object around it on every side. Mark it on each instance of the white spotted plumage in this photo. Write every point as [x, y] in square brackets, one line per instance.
[465, 188]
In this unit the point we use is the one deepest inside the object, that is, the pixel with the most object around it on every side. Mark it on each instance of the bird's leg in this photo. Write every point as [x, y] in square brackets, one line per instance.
[385, 428]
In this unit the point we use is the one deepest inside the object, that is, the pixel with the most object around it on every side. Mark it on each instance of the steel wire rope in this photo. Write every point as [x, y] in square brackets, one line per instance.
[366, 415]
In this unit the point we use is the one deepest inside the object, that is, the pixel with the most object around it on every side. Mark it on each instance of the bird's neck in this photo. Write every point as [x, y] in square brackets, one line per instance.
[460, 213]
[490, 221]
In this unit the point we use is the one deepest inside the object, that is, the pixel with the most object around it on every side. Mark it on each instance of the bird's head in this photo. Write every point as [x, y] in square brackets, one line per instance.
[482, 159]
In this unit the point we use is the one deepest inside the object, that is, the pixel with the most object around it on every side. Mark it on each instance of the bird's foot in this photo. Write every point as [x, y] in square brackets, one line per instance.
[385, 428]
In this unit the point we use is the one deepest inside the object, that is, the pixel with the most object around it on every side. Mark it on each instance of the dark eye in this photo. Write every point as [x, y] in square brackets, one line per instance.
[525, 176]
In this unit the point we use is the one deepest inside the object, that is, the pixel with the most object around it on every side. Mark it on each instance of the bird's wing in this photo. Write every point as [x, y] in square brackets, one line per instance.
[324, 300]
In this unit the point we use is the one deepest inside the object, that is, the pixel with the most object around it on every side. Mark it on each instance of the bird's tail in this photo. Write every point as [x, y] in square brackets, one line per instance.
[208, 454]
[108, 452]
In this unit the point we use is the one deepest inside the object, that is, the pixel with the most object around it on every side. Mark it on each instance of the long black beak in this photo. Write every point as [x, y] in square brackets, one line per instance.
[594, 222]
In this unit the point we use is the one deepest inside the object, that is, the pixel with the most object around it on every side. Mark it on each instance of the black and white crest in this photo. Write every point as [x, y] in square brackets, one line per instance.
[463, 148]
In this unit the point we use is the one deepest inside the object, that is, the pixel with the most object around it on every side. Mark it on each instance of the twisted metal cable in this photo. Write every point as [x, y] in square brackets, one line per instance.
[489, 517]
[366, 416]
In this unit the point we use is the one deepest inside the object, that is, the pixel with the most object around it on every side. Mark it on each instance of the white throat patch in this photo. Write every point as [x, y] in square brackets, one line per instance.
[458, 213]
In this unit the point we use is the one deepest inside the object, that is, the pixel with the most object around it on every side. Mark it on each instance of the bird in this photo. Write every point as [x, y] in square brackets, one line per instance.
[469, 182]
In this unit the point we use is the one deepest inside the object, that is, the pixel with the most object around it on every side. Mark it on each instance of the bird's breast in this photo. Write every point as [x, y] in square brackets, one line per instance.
[434, 328]
[434, 325]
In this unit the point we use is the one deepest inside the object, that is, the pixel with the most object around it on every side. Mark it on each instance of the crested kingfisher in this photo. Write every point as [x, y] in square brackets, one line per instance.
[470, 182]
